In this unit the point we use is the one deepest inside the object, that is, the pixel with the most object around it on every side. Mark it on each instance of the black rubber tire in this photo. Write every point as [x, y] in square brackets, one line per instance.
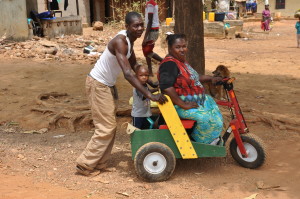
[154, 148]
[251, 141]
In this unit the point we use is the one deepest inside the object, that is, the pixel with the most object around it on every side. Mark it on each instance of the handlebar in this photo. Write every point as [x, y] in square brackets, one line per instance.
[226, 81]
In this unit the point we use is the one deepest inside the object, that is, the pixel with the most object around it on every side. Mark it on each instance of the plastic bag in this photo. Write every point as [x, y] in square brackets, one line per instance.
[226, 25]
[262, 26]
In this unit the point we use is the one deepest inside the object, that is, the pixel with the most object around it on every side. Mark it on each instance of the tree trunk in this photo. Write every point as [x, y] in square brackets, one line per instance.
[189, 20]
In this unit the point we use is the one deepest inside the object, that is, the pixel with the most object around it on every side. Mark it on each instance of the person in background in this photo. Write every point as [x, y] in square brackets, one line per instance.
[141, 110]
[266, 18]
[254, 6]
[183, 85]
[248, 5]
[151, 33]
[297, 26]
[117, 57]
[251, 6]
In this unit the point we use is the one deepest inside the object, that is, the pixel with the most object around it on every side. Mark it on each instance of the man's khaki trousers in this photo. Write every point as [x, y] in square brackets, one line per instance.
[103, 108]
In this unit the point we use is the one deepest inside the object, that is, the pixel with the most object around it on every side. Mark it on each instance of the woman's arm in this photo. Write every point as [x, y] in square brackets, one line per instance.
[207, 78]
[177, 100]
[262, 15]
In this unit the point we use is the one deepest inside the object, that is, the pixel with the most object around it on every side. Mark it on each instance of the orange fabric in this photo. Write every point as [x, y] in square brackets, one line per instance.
[184, 85]
[148, 48]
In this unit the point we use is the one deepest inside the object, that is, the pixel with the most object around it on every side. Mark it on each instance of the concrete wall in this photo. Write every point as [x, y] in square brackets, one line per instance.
[290, 7]
[214, 29]
[13, 19]
[62, 26]
[84, 9]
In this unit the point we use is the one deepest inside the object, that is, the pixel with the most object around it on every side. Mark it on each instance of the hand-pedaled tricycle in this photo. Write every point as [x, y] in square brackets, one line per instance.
[155, 150]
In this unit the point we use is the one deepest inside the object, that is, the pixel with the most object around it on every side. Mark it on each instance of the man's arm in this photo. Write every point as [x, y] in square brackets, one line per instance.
[121, 47]
[132, 61]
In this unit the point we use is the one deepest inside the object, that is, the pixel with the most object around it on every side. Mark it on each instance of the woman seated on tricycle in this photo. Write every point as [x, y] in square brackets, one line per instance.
[182, 83]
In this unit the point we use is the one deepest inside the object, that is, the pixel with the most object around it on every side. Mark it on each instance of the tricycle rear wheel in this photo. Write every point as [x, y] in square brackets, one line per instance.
[255, 149]
[154, 162]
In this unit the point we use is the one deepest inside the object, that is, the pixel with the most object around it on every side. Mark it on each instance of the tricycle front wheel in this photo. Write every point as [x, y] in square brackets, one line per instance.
[254, 148]
[154, 162]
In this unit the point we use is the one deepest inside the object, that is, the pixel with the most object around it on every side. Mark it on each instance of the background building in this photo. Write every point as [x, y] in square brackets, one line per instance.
[13, 19]
[286, 8]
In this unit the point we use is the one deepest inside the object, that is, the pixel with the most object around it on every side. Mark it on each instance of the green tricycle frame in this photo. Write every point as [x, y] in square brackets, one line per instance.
[155, 151]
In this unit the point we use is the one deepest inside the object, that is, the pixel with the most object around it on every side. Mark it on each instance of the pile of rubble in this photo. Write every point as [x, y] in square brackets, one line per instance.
[64, 48]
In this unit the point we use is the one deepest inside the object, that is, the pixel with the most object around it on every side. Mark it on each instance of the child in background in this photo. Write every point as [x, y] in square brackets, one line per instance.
[141, 105]
[297, 26]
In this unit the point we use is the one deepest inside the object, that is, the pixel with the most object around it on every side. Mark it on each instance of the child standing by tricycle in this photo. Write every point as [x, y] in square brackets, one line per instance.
[141, 110]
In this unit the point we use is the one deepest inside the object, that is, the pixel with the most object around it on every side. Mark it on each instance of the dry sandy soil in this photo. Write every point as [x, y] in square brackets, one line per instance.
[40, 166]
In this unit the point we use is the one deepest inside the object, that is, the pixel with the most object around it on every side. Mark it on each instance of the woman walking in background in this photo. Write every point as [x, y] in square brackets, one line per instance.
[266, 18]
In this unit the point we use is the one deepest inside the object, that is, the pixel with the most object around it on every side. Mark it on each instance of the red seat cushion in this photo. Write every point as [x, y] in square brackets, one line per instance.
[187, 124]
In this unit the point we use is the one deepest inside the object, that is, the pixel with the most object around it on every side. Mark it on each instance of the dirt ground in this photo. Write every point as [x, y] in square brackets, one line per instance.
[42, 165]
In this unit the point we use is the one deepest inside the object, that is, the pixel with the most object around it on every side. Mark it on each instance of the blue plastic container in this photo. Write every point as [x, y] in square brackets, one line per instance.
[219, 16]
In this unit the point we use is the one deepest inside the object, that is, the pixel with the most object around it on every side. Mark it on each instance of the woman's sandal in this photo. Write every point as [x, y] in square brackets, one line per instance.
[86, 172]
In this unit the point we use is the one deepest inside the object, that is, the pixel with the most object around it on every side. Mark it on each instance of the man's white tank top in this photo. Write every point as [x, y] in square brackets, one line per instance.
[107, 68]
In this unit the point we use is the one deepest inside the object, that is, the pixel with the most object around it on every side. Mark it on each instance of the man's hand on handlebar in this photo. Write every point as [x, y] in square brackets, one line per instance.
[160, 98]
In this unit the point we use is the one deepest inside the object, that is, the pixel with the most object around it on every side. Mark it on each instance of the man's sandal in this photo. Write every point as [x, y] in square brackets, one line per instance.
[86, 172]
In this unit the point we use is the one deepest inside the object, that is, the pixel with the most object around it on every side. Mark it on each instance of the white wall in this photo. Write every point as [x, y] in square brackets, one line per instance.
[13, 19]
[290, 7]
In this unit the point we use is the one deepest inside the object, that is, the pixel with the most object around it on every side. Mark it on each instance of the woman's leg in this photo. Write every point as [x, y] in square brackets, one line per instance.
[209, 121]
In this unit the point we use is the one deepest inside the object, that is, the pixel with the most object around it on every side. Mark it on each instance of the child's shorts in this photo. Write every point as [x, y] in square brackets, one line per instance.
[151, 39]
[140, 122]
